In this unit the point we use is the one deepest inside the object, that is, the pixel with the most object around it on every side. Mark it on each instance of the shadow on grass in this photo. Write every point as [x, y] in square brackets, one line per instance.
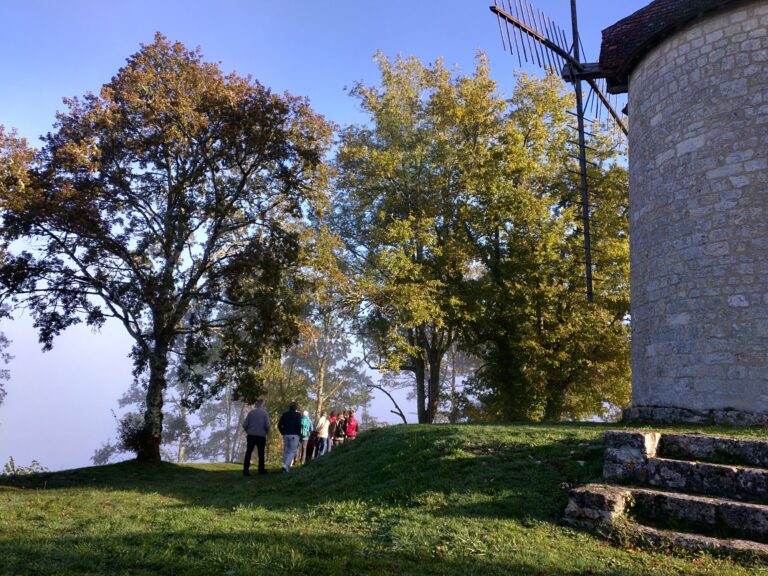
[519, 472]
[255, 552]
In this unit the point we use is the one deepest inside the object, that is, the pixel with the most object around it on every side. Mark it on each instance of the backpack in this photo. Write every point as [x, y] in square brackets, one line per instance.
[341, 428]
[306, 427]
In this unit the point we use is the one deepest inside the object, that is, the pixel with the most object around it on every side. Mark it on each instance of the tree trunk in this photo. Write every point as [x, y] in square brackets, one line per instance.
[320, 392]
[421, 390]
[554, 408]
[228, 428]
[182, 449]
[453, 416]
[435, 360]
[149, 447]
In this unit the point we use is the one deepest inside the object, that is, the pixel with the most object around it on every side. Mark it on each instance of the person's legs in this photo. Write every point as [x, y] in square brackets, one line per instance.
[250, 443]
[261, 443]
[320, 446]
[297, 458]
[290, 444]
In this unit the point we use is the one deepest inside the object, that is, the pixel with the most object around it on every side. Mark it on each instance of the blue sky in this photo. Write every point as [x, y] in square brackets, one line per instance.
[58, 405]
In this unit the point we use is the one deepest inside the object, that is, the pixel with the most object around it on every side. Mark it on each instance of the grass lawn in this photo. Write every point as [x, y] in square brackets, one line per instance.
[465, 499]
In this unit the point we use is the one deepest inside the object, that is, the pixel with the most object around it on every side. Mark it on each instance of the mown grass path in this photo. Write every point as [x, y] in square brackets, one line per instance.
[465, 499]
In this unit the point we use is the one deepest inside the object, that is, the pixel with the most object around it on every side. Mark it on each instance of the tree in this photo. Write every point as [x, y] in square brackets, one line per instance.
[546, 352]
[458, 210]
[399, 191]
[5, 357]
[170, 201]
[324, 354]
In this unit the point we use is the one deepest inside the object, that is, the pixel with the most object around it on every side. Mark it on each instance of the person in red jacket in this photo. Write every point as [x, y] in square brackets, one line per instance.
[351, 426]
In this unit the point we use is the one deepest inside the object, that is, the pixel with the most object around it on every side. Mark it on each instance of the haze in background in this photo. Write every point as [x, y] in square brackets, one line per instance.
[58, 407]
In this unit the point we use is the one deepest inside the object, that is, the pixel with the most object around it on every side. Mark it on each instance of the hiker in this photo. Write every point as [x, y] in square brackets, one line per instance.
[332, 422]
[256, 426]
[290, 428]
[341, 429]
[322, 434]
[304, 433]
[351, 426]
[311, 451]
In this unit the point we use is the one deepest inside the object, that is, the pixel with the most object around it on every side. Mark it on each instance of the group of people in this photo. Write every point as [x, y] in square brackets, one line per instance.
[302, 440]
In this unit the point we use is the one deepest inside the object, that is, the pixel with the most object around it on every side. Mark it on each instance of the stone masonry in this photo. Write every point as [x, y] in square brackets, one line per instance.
[680, 490]
[698, 109]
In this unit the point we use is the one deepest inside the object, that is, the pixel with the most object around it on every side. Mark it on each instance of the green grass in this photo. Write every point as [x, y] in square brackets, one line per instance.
[402, 500]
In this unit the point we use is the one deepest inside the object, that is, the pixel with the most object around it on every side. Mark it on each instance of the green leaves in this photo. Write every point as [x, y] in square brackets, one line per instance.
[459, 207]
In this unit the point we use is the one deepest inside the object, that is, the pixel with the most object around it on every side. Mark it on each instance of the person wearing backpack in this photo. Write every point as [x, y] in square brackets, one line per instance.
[331, 431]
[351, 426]
[304, 432]
[341, 429]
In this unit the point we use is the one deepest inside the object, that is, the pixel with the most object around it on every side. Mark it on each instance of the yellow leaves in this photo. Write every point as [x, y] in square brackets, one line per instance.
[15, 159]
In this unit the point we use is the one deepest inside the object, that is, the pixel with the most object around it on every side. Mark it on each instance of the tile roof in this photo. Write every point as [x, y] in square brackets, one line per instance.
[626, 42]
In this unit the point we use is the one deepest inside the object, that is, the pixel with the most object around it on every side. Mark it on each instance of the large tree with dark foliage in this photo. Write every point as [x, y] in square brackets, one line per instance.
[170, 201]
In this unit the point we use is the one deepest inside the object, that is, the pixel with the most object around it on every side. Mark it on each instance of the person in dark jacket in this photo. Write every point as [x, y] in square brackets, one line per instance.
[256, 426]
[331, 432]
[341, 429]
[290, 428]
[311, 451]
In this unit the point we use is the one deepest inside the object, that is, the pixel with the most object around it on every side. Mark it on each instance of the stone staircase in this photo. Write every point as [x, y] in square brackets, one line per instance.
[679, 490]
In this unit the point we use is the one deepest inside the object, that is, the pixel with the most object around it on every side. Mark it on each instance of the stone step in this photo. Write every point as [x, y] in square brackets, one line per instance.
[735, 482]
[624, 508]
[714, 515]
[714, 449]
[745, 550]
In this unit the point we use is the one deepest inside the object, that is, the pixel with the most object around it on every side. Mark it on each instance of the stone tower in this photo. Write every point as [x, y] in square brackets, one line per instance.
[696, 73]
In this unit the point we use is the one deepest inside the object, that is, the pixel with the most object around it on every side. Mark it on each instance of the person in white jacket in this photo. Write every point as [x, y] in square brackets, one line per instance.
[322, 433]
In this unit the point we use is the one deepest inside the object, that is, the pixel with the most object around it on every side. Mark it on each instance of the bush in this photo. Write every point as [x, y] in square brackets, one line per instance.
[11, 469]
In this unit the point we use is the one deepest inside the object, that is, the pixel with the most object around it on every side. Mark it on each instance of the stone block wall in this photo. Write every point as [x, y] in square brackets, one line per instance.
[698, 110]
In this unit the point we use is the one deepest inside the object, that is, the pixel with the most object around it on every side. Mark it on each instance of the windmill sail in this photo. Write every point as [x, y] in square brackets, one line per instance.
[539, 40]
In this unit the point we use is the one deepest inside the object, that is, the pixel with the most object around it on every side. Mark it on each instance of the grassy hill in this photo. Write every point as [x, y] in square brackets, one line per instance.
[400, 500]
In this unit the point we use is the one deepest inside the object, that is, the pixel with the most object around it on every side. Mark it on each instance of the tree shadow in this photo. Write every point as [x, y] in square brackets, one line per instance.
[256, 552]
[420, 473]
[438, 473]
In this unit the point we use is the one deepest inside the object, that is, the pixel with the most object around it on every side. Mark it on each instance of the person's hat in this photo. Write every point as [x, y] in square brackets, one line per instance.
[306, 413]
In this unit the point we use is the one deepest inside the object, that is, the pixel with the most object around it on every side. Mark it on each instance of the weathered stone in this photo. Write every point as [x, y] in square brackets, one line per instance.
[744, 549]
[596, 503]
[697, 172]
[745, 518]
[672, 415]
[652, 504]
[626, 454]
[742, 518]
[604, 505]
[632, 456]
[690, 447]
[710, 479]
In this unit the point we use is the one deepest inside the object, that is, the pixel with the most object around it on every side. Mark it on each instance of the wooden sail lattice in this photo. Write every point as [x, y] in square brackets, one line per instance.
[530, 35]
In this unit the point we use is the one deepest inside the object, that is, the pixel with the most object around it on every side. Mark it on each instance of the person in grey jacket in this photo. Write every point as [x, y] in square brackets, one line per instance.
[256, 426]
